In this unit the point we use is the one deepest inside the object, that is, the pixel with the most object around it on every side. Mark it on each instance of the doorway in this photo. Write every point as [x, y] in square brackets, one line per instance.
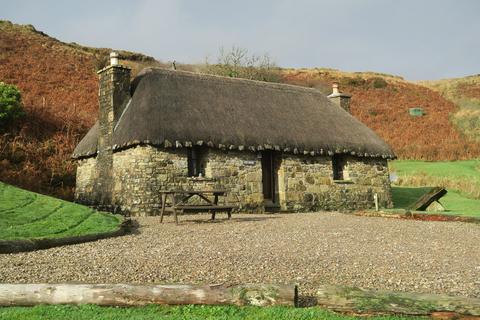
[269, 177]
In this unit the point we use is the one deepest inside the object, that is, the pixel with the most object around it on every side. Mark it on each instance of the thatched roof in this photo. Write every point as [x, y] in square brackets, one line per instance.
[180, 109]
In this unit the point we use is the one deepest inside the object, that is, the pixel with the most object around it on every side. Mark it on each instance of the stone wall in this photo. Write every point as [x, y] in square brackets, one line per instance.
[86, 187]
[142, 171]
[306, 184]
[240, 173]
[114, 92]
[341, 100]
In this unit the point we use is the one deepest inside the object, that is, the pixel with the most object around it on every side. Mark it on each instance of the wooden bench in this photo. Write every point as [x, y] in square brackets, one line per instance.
[183, 206]
[213, 209]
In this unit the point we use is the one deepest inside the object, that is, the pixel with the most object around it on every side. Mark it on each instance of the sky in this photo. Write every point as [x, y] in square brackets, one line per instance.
[416, 39]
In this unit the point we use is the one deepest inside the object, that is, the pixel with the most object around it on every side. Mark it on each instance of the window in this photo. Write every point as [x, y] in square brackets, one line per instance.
[196, 163]
[338, 164]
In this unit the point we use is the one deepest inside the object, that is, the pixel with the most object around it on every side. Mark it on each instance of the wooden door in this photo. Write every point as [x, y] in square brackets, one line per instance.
[268, 176]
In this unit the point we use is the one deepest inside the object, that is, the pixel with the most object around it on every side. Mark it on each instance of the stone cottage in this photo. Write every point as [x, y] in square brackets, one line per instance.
[272, 146]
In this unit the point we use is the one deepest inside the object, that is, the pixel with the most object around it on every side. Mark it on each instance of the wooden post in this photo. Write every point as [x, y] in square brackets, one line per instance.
[347, 299]
[163, 199]
[174, 209]
[138, 294]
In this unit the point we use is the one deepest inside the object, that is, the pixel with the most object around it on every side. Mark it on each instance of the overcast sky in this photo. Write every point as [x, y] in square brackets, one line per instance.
[416, 39]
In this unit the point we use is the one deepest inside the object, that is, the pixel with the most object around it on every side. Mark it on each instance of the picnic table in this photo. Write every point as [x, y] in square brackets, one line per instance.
[183, 205]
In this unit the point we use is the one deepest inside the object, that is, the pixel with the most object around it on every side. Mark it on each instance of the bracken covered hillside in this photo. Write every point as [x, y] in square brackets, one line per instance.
[382, 102]
[465, 93]
[59, 88]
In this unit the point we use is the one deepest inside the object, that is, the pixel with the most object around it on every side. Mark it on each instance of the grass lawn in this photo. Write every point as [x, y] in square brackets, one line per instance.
[91, 312]
[447, 169]
[454, 202]
[459, 177]
[29, 215]
[403, 197]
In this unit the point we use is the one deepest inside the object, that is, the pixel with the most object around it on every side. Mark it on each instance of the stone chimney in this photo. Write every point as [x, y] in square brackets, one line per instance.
[340, 99]
[113, 96]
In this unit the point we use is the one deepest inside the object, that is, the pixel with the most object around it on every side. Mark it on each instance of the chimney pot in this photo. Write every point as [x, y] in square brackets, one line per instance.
[340, 99]
[113, 58]
[335, 88]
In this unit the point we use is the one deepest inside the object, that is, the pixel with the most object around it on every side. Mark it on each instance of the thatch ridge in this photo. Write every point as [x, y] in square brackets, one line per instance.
[220, 79]
[180, 109]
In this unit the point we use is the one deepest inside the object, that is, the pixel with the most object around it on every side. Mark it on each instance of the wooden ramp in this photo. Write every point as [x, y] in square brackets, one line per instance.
[429, 199]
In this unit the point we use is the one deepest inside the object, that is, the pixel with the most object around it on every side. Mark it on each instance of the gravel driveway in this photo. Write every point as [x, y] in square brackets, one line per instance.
[309, 249]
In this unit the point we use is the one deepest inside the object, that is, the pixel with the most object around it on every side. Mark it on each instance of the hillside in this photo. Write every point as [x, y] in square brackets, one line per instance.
[59, 88]
[382, 102]
[465, 93]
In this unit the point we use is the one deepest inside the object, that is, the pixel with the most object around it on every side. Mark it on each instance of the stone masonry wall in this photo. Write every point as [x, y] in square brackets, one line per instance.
[306, 184]
[343, 101]
[140, 172]
[240, 173]
[114, 92]
[86, 181]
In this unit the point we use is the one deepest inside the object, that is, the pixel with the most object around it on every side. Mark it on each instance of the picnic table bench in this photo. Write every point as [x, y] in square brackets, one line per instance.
[206, 205]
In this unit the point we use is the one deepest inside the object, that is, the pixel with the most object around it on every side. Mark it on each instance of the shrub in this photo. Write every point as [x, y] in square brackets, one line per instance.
[468, 122]
[354, 82]
[379, 83]
[10, 104]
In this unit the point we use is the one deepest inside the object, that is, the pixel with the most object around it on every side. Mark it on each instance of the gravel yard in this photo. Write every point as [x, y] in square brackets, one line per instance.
[308, 249]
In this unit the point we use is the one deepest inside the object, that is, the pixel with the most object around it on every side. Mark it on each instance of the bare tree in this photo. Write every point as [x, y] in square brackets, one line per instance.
[238, 63]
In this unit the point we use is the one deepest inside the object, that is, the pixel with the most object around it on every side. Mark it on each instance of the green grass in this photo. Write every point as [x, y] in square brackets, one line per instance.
[91, 312]
[403, 197]
[454, 202]
[29, 215]
[447, 169]
[461, 178]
